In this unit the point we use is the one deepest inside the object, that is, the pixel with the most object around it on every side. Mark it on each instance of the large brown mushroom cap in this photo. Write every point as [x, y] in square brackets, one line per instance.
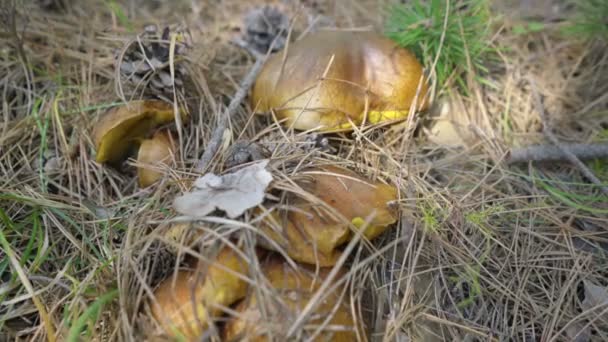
[184, 304]
[364, 72]
[312, 229]
[292, 290]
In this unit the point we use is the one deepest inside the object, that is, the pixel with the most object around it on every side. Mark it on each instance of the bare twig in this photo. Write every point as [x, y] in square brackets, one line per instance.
[216, 137]
[548, 130]
[542, 153]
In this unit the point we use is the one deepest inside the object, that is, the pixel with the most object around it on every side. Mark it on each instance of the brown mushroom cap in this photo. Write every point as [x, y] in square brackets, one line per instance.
[157, 150]
[184, 304]
[310, 231]
[291, 292]
[125, 125]
[359, 71]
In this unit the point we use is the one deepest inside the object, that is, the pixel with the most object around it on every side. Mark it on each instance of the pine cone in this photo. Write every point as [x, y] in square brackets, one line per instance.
[159, 261]
[243, 151]
[52, 5]
[264, 25]
[145, 62]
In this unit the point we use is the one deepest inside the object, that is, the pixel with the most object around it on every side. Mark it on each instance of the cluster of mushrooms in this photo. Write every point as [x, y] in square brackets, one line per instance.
[328, 81]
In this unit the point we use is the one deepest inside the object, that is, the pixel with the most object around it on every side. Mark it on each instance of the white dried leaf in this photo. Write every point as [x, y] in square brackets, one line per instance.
[596, 298]
[578, 332]
[233, 193]
[97, 210]
[450, 126]
[445, 133]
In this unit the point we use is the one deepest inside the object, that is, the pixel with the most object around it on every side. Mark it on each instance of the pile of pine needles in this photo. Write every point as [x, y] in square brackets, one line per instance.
[483, 249]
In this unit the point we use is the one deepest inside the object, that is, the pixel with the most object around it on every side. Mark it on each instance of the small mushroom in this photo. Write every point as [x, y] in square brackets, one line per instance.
[157, 150]
[126, 125]
[183, 234]
[185, 304]
[316, 224]
[290, 291]
[330, 80]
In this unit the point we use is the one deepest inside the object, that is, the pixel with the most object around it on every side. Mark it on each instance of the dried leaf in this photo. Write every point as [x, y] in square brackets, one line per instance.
[97, 210]
[444, 133]
[233, 193]
[596, 299]
[578, 332]
[450, 127]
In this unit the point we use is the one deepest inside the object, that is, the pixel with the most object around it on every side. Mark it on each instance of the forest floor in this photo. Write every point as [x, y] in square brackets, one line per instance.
[483, 249]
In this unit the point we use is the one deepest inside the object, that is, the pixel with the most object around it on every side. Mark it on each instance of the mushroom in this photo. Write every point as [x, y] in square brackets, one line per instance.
[183, 234]
[290, 291]
[125, 125]
[158, 150]
[185, 304]
[332, 80]
[317, 223]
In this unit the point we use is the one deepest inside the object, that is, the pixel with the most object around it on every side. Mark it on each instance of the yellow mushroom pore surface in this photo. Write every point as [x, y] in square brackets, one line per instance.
[123, 126]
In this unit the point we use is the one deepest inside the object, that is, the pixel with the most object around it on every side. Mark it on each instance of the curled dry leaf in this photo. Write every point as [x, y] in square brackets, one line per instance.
[578, 332]
[329, 79]
[153, 152]
[450, 126]
[312, 229]
[185, 304]
[290, 292]
[233, 193]
[596, 300]
[126, 125]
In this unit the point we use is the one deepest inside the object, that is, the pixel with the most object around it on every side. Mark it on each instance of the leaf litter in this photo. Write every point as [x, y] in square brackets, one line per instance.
[232, 193]
[596, 300]
[506, 290]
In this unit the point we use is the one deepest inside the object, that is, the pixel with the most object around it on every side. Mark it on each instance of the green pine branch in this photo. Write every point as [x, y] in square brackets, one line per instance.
[456, 43]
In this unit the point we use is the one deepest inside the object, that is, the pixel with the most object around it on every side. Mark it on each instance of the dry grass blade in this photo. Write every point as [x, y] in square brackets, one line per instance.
[482, 250]
[23, 277]
[218, 133]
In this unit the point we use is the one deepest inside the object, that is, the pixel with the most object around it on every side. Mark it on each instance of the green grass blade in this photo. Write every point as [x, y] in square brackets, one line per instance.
[90, 315]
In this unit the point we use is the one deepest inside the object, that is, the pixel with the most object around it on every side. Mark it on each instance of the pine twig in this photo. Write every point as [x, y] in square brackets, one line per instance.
[548, 130]
[256, 51]
[218, 133]
[542, 153]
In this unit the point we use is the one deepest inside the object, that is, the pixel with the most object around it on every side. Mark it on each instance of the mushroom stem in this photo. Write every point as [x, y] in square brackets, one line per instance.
[239, 96]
